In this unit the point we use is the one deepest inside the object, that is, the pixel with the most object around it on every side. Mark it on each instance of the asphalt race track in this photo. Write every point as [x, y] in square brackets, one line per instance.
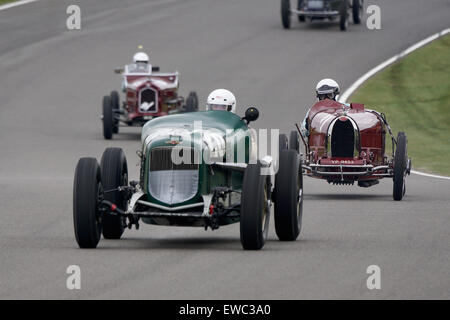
[51, 84]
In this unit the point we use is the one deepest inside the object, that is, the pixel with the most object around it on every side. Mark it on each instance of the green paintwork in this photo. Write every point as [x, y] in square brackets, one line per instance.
[211, 121]
[221, 120]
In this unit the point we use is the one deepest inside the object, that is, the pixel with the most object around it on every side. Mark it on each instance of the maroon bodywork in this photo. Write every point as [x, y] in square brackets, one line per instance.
[148, 94]
[165, 89]
[346, 143]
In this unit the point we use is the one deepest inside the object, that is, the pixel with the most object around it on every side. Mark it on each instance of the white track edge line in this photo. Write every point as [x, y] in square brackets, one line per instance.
[429, 175]
[15, 4]
[347, 93]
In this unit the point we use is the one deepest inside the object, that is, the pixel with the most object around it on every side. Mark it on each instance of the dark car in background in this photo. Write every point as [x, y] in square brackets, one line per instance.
[323, 10]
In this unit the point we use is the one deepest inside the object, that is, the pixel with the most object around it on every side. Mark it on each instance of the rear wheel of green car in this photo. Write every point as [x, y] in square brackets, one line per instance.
[108, 118]
[87, 194]
[288, 196]
[114, 174]
[294, 143]
[115, 103]
[283, 142]
[255, 208]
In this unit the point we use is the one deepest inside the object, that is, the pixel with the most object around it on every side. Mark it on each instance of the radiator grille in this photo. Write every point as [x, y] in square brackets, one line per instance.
[343, 139]
[161, 159]
[148, 100]
[169, 182]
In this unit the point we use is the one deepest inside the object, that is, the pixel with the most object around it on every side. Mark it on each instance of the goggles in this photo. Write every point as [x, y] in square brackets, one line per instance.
[223, 107]
[326, 96]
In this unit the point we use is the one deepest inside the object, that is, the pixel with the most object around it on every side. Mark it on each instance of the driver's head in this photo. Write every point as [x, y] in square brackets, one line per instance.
[221, 99]
[327, 89]
[141, 59]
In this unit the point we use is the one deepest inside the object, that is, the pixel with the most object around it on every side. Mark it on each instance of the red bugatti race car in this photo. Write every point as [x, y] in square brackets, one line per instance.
[148, 94]
[346, 144]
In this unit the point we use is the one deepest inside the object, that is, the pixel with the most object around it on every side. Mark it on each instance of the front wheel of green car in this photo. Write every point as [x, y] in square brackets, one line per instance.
[87, 194]
[255, 208]
[288, 196]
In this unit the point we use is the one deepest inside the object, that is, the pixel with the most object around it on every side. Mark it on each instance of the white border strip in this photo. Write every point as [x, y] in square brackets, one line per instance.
[343, 98]
[15, 4]
[429, 175]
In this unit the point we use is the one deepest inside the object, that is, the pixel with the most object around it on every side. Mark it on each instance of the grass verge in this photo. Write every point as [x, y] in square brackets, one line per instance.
[6, 1]
[414, 93]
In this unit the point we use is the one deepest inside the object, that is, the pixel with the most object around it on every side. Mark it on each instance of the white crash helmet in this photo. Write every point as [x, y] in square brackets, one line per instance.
[221, 99]
[327, 89]
[140, 57]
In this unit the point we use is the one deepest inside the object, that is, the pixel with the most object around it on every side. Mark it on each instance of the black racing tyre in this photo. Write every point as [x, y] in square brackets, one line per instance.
[87, 193]
[286, 13]
[357, 9]
[114, 174]
[108, 118]
[115, 102]
[343, 15]
[288, 196]
[192, 102]
[255, 209]
[400, 165]
[294, 143]
[301, 18]
[283, 143]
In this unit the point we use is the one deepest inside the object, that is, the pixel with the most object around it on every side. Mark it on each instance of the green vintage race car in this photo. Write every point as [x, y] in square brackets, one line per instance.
[197, 169]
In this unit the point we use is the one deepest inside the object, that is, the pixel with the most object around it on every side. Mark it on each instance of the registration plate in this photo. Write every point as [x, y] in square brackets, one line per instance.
[315, 4]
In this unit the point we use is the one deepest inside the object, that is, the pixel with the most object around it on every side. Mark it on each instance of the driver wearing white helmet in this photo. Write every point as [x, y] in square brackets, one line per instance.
[141, 59]
[140, 65]
[221, 99]
[325, 89]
